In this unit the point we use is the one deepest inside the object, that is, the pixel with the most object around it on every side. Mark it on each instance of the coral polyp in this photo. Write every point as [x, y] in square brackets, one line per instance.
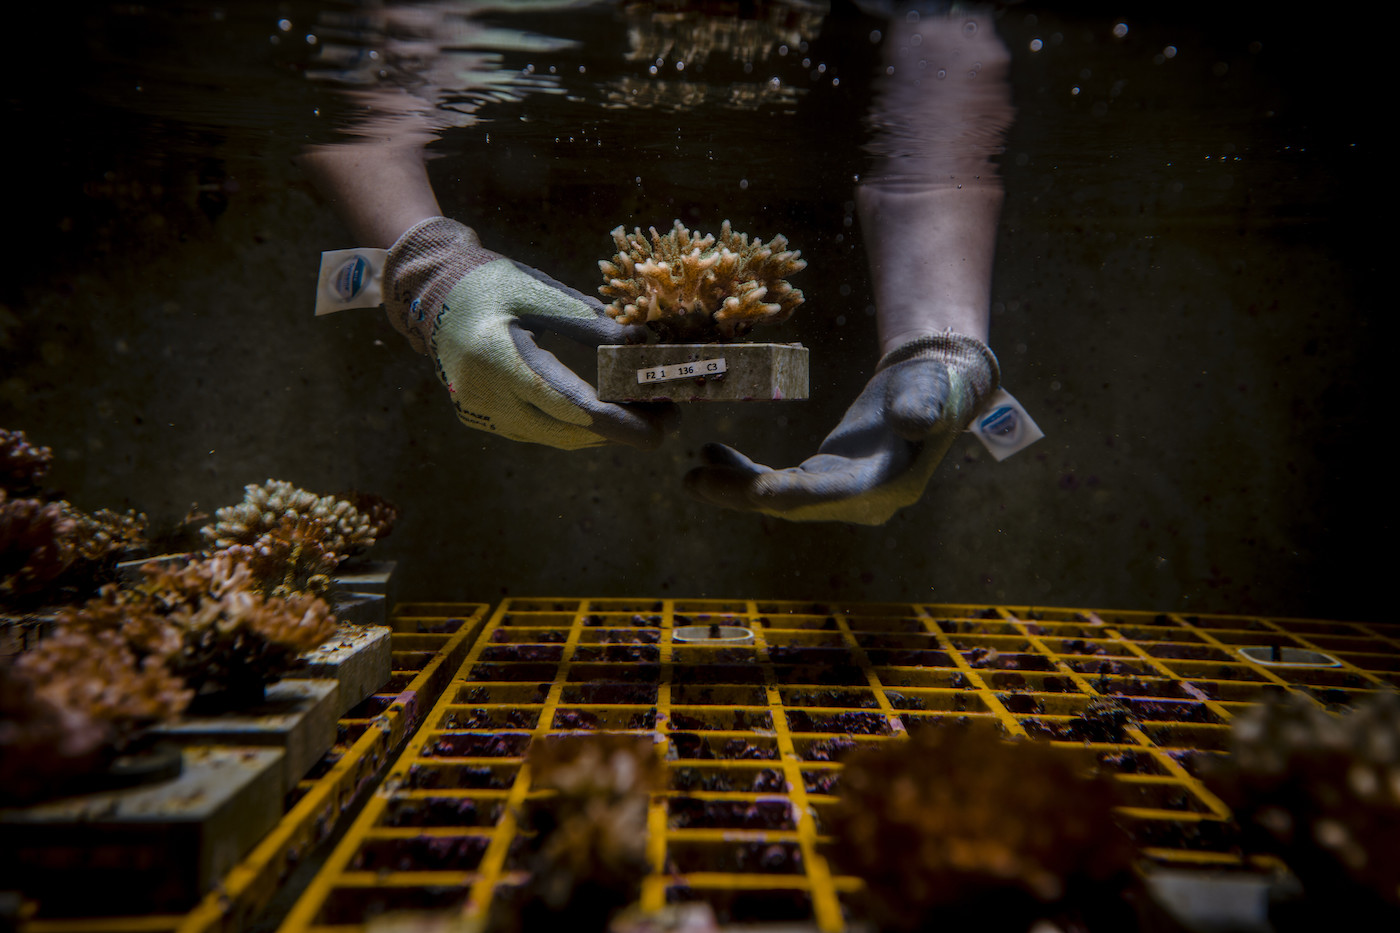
[691, 289]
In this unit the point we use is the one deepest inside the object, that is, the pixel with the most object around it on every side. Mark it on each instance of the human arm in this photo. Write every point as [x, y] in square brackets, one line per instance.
[474, 312]
[928, 212]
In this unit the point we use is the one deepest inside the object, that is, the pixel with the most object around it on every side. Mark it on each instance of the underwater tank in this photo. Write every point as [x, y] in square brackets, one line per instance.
[1185, 265]
[1180, 300]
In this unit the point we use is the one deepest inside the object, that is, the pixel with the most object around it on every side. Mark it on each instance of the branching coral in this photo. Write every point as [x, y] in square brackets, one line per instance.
[22, 464]
[98, 674]
[37, 544]
[956, 821]
[294, 539]
[1324, 792]
[692, 288]
[208, 623]
[44, 545]
[232, 637]
[589, 839]
[105, 535]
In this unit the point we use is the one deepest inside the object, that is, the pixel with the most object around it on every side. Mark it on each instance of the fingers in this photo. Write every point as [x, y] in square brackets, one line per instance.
[638, 425]
[593, 330]
[726, 478]
[731, 480]
[566, 398]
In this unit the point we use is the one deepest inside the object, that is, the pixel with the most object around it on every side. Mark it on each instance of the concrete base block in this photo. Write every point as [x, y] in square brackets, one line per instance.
[703, 372]
[366, 576]
[360, 608]
[297, 716]
[154, 848]
[358, 658]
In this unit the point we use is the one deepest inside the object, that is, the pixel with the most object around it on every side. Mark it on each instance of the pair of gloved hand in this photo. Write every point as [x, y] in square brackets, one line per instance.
[475, 314]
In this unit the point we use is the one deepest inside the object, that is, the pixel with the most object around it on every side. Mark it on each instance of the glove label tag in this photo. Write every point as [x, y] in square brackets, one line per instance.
[350, 278]
[1004, 427]
[672, 371]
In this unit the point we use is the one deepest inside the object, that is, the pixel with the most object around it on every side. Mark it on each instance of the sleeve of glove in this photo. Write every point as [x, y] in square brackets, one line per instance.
[423, 266]
[880, 457]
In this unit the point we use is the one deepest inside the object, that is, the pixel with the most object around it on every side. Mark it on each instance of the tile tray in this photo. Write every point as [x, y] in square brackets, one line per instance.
[428, 644]
[753, 736]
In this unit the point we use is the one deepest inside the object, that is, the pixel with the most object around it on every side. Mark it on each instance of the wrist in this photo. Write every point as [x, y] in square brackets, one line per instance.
[968, 356]
[424, 264]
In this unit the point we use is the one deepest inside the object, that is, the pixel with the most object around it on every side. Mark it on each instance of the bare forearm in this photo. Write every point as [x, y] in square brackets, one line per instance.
[931, 257]
[929, 209]
[379, 189]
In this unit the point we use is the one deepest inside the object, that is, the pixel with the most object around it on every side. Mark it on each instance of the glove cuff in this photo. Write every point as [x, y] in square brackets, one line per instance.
[967, 356]
[424, 265]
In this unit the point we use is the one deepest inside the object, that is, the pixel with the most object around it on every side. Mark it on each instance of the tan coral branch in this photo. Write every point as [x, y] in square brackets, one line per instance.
[692, 288]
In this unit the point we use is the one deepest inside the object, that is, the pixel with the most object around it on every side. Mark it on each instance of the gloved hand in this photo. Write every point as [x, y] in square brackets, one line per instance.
[475, 313]
[883, 452]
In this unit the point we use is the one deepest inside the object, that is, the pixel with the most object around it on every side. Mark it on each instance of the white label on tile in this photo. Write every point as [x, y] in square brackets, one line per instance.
[671, 371]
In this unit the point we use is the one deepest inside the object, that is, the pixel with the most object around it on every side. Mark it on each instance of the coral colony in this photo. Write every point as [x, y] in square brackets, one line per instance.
[47, 544]
[1323, 792]
[587, 842]
[696, 289]
[955, 819]
[123, 657]
[293, 539]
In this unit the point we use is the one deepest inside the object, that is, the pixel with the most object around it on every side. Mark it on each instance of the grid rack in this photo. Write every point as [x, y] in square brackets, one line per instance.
[426, 651]
[753, 735]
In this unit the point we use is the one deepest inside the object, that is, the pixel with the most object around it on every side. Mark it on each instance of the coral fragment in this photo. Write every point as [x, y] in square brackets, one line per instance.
[690, 288]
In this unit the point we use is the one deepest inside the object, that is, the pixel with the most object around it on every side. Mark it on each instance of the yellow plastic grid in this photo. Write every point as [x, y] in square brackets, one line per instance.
[753, 736]
[426, 652]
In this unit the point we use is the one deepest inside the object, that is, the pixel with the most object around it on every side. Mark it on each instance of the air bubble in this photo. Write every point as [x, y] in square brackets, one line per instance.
[942, 73]
[875, 36]
[284, 24]
[1120, 30]
[743, 184]
[1037, 45]
[1169, 52]
[970, 28]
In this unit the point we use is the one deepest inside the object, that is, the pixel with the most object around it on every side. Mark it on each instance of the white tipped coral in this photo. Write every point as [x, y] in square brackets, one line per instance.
[273, 504]
[691, 288]
[294, 539]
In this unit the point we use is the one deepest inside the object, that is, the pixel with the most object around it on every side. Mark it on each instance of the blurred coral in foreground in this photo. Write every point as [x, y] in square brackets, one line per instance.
[587, 842]
[956, 827]
[1322, 791]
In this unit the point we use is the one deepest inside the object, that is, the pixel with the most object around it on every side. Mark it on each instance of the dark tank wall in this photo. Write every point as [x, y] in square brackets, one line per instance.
[1181, 301]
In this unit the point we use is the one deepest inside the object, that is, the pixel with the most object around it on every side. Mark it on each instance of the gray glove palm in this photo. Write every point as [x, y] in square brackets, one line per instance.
[476, 314]
[880, 457]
